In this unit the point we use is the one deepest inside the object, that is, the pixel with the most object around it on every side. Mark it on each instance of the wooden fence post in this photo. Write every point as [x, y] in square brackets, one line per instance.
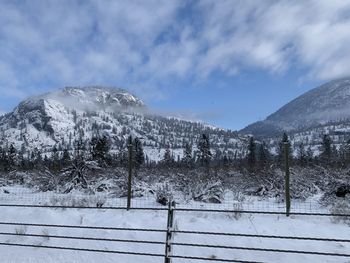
[287, 177]
[128, 205]
[169, 233]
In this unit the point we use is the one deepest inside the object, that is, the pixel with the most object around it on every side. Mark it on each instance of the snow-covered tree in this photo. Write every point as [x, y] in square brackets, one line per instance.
[205, 154]
[187, 158]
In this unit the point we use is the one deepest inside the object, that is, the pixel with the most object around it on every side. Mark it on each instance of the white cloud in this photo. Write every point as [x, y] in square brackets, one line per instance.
[143, 45]
[277, 35]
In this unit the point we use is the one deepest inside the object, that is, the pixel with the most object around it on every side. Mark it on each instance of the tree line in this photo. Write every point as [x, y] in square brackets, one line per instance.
[99, 151]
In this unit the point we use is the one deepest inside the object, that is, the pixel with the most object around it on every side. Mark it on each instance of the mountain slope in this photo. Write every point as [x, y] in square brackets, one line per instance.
[59, 118]
[327, 103]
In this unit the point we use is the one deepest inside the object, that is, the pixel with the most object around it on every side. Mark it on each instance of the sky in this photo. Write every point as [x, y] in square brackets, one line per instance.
[226, 62]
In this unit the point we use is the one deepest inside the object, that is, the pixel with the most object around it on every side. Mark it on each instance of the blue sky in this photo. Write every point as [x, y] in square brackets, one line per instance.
[227, 62]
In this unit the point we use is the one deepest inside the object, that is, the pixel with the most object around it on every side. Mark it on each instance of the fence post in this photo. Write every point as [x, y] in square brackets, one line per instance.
[169, 233]
[287, 189]
[128, 205]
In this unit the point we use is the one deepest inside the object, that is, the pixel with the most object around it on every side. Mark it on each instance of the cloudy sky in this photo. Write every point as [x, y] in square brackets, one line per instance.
[226, 62]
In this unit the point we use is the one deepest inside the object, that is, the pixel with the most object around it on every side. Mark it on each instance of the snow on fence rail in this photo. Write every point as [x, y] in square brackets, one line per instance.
[170, 231]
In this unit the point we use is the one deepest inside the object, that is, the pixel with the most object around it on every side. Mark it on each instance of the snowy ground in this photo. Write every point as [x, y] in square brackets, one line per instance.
[217, 222]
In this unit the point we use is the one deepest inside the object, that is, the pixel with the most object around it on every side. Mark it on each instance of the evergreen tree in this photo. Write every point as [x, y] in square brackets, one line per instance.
[137, 153]
[99, 148]
[55, 158]
[139, 156]
[251, 153]
[225, 161]
[309, 155]
[326, 149]
[3, 159]
[301, 154]
[187, 158]
[263, 154]
[12, 158]
[65, 158]
[334, 154]
[36, 158]
[79, 149]
[167, 157]
[344, 153]
[204, 150]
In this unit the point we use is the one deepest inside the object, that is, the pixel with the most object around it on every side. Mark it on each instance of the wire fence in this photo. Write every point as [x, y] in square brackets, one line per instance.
[171, 239]
[22, 195]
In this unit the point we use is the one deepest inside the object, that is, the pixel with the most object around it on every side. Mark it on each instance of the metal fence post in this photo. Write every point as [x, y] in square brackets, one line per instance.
[169, 233]
[287, 189]
[128, 205]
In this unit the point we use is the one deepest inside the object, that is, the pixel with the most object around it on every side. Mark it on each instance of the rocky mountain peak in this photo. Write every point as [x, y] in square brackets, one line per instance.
[95, 97]
[72, 114]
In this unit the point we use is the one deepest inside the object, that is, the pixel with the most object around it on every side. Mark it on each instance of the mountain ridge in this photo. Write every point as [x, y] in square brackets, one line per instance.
[61, 117]
[325, 103]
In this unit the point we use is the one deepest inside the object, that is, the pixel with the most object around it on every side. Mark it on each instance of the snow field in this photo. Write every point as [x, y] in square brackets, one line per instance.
[197, 221]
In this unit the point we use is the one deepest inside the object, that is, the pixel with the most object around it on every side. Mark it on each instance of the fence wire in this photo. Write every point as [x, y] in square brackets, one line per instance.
[172, 243]
[26, 196]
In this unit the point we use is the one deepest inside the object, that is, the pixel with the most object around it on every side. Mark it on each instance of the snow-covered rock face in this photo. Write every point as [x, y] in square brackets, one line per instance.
[61, 117]
[54, 107]
[95, 98]
[329, 102]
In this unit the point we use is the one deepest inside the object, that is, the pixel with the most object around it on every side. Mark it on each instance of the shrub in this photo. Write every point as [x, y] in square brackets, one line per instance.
[341, 207]
[164, 194]
[208, 192]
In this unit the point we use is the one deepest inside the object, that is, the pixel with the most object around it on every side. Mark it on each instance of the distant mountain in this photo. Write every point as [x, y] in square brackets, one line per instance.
[306, 119]
[59, 118]
[327, 103]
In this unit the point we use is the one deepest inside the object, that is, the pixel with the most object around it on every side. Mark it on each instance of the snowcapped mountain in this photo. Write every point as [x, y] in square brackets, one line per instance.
[59, 118]
[327, 103]
[320, 111]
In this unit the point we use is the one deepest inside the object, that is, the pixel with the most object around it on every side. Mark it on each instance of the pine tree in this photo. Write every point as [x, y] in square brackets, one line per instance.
[187, 158]
[204, 150]
[334, 154]
[326, 149]
[263, 154]
[225, 161]
[3, 159]
[79, 149]
[137, 153]
[167, 157]
[301, 154]
[55, 158]
[344, 153]
[65, 158]
[99, 148]
[251, 153]
[12, 157]
[139, 156]
[36, 158]
[309, 155]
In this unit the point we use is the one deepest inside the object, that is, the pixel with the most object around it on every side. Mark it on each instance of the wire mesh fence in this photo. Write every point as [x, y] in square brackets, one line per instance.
[26, 196]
